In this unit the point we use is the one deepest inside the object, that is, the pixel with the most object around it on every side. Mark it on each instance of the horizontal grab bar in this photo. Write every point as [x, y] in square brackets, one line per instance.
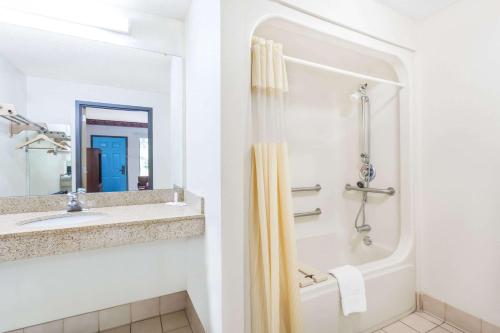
[317, 211]
[388, 191]
[316, 187]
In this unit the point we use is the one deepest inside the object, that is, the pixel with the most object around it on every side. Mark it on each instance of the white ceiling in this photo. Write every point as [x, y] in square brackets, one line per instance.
[167, 8]
[418, 9]
[55, 56]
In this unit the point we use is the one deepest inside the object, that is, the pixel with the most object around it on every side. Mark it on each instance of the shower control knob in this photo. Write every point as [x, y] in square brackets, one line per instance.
[360, 184]
[367, 173]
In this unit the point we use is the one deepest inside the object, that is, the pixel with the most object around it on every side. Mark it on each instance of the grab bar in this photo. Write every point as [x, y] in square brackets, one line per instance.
[317, 211]
[316, 187]
[389, 191]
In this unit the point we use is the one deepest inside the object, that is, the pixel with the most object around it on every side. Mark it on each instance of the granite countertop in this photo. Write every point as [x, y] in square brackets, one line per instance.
[113, 226]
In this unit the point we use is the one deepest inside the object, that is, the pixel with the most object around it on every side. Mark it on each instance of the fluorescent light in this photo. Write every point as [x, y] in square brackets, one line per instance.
[102, 18]
[57, 16]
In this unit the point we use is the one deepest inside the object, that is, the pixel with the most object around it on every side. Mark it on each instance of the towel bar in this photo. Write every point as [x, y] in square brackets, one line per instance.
[317, 211]
[316, 187]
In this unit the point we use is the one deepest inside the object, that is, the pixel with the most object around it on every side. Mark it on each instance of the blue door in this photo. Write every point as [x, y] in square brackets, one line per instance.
[113, 162]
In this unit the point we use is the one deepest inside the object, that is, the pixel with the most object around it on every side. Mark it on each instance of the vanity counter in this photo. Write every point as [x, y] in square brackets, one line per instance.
[111, 226]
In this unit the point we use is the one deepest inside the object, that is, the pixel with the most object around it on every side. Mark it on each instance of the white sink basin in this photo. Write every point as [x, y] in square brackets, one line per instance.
[62, 220]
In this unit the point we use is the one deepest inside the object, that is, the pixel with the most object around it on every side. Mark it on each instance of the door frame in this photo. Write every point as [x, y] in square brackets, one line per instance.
[126, 149]
[80, 106]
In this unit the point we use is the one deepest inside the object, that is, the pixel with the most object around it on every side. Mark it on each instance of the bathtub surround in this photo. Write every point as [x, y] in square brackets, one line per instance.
[322, 131]
[275, 302]
[173, 313]
[239, 22]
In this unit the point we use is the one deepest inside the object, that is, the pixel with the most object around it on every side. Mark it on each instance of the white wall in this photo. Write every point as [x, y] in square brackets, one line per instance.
[38, 290]
[203, 155]
[12, 91]
[53, 101]
[177, 121]
[45, 170]
[458, 63]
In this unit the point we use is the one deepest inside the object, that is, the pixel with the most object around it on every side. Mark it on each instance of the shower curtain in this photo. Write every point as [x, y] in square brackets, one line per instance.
[275, 300]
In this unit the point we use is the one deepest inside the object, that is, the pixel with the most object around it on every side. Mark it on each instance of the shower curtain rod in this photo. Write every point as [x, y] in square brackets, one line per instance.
[342, 71]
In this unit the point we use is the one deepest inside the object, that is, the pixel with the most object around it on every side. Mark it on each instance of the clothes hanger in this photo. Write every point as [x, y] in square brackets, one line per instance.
[43, 137]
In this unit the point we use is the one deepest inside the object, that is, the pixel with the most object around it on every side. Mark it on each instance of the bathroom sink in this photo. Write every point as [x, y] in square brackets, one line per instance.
[63, 219]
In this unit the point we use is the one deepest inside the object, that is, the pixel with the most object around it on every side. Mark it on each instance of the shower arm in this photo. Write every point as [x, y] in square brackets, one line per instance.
[365, 135]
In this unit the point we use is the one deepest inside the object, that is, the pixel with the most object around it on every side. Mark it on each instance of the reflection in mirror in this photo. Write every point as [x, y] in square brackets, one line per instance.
[115, 147]
[46, 148]
[90, 107]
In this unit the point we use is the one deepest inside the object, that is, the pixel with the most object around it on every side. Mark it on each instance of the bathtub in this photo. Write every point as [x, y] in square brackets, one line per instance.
[389, 280]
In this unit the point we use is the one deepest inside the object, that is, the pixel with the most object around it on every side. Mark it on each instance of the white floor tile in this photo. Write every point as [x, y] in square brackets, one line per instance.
[430, 318]
[418, 323]
[398, 327]
[438, 329]
[451, 329]
[174, 320]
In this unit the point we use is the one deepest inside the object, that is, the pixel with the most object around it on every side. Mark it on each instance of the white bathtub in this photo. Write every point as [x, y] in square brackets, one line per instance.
[389, 280]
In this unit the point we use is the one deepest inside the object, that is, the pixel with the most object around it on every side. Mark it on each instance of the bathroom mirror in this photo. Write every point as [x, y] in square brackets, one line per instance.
[114, 147]
[89, 104]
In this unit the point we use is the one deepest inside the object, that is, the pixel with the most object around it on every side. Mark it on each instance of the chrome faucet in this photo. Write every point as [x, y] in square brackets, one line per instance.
[74, 203]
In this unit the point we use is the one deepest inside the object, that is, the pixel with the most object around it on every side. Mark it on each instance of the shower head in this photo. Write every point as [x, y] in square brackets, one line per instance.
[355, 96]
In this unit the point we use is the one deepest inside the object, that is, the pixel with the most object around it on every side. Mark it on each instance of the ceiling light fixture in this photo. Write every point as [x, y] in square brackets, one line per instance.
[58, 16]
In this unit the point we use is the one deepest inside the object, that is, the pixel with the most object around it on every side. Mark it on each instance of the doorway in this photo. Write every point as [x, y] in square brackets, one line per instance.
[114, 162]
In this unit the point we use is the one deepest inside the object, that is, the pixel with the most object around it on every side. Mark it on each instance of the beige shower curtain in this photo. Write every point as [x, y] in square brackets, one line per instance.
[275, 301]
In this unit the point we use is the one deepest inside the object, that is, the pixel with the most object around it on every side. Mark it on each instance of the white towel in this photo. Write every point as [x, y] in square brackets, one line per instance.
[352, 289]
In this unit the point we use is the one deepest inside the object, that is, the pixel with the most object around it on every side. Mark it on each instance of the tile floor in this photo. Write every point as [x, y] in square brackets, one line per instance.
[420, 322]
[175, 322]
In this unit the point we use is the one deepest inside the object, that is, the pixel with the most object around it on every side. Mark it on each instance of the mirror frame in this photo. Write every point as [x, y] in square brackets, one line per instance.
[79, 107]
